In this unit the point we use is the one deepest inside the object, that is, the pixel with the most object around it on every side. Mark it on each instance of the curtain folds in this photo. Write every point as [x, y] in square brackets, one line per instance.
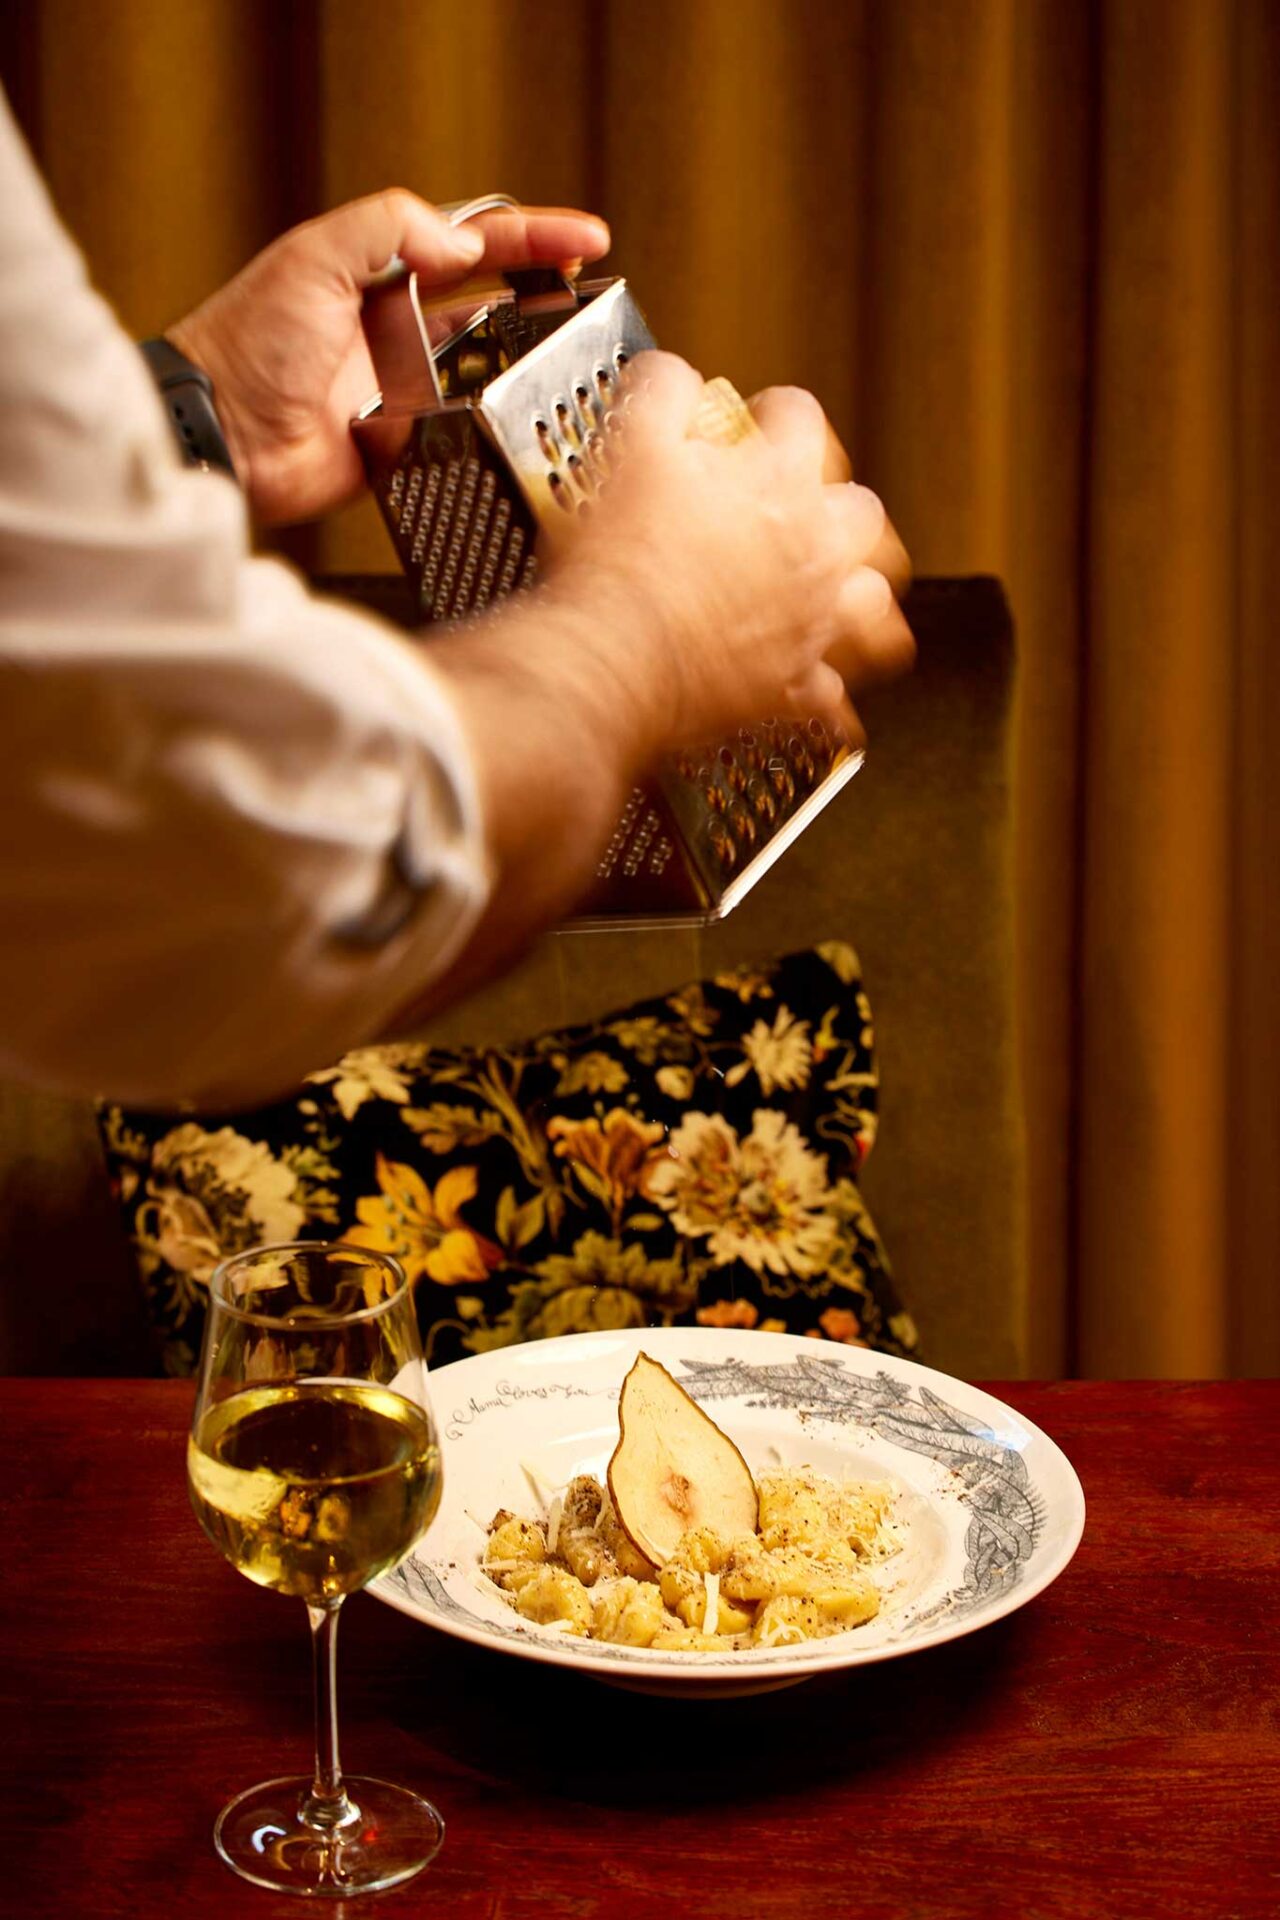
[1027, 252]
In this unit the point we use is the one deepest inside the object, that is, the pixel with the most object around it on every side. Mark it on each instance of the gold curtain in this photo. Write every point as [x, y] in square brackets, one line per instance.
[1027, 251]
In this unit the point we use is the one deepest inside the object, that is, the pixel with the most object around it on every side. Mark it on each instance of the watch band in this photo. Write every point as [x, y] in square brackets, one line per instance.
[187, 393]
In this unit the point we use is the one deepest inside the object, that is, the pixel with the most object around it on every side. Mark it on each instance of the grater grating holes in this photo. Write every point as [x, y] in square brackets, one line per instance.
[511, 565]
[455, 510]
[464, 597]
[566, 420]
[493, 553]
[579, 476]
[589, 408]
[422, 532]
[573, 434]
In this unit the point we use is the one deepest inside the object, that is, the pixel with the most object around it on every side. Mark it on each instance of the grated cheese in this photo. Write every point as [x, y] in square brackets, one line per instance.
[537, 1480]
[834, 1526]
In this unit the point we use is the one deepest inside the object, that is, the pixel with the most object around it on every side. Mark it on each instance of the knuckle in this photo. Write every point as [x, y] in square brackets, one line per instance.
[874, 593]
[793, 419]
[871, 511]
[798, 401]
[677, 371]
[397, 205]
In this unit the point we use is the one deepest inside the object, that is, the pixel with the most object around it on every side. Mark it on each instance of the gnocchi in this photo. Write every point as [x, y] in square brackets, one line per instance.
[807, 1572]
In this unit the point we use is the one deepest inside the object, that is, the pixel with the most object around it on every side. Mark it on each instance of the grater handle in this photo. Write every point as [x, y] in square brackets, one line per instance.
[456, 212]
[395, 331]
[459, 211]
[395, 325]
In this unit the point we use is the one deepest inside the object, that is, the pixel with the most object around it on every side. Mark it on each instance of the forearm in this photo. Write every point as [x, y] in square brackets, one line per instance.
[240, 829]
[559, 732]
[226, 852]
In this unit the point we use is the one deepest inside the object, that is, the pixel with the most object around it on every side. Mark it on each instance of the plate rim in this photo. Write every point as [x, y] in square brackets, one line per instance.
[734, 1670]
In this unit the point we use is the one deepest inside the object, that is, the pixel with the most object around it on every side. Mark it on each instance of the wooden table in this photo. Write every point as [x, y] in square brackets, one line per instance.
[1111, 1750]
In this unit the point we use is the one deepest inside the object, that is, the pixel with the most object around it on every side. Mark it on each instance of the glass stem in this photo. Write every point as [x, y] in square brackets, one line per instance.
[327, 1804]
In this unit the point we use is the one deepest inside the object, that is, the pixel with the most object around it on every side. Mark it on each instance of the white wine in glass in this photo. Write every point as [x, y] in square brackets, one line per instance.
[314, 1467]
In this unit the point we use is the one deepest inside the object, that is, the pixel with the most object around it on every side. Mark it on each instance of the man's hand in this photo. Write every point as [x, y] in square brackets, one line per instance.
[760, 578]
[283, 345]
[704, 588]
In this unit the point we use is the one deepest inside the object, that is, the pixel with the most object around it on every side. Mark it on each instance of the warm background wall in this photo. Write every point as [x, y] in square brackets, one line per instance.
[1027, 251]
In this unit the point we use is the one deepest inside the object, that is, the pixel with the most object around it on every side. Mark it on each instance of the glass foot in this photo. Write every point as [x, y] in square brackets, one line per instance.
[389, 1836]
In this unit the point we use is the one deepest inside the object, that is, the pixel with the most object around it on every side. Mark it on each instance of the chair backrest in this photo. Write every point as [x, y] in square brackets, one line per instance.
[70, 1301]
[912, 864]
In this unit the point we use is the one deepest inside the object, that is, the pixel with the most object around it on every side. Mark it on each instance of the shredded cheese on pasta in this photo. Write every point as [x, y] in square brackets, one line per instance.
[805, 1574]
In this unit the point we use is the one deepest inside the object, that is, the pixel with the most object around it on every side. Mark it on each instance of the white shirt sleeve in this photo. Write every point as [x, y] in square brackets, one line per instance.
[238, 824]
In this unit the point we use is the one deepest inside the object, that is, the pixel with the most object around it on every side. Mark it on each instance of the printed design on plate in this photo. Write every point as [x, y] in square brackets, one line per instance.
[1006, 1511]
[508, 1394]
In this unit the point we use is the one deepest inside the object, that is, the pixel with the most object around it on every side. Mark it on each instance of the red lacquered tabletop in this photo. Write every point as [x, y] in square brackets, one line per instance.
[1112, 1749]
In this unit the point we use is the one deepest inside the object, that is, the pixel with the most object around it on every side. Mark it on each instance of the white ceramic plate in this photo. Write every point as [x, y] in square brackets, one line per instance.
[992, 1509]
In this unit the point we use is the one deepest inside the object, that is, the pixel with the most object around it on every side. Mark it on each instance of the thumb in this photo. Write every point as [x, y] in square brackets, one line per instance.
[360, 241]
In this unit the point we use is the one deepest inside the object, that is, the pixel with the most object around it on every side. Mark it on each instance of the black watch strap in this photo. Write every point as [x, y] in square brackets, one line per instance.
[187, 393]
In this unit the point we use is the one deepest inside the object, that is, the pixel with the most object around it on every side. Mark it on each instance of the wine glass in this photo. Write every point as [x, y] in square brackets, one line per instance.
[313, 1466]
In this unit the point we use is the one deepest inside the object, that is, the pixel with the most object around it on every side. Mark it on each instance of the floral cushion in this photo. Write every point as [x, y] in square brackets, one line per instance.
[693, 1158]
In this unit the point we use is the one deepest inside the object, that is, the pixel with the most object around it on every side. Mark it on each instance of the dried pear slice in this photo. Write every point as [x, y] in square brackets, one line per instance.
[673, 1468]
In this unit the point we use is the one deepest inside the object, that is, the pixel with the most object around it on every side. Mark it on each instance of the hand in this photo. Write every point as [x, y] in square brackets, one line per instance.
[283, 345]
[879, 645]
[756, 584]
[705, 588]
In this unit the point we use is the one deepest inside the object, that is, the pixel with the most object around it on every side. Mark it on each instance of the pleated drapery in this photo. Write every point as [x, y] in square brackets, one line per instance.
[1027, 253]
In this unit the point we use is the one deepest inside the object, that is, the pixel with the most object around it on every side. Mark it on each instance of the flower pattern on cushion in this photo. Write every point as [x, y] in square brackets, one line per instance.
[762, 1198]
[424, 1229]
[690, 1160]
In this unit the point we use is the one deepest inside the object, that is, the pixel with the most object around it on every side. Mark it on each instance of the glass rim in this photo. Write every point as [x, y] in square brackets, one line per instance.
[290, 1323]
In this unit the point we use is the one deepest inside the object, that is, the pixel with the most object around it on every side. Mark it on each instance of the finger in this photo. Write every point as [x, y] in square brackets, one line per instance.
[858, 516]
[874, 642]
[358, 241]
[868, 533]
[538, 237]
[891, 558]
[788, 416]
[793, 419]
[822, 695]
[661, 393]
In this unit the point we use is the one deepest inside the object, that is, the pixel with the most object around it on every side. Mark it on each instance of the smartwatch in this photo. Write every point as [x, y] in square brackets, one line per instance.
[187, 393]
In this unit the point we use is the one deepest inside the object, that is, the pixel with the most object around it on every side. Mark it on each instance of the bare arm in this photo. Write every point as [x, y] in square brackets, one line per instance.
[714, 586]
[210, 778]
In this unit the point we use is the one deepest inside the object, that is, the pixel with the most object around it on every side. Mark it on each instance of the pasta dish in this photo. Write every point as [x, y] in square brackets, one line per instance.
[805, 1573]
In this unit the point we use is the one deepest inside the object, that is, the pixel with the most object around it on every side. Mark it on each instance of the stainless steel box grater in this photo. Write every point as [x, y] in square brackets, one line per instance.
[498, 432]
